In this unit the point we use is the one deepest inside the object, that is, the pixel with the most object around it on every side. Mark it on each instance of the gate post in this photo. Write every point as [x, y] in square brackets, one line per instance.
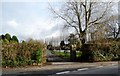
[73, 53]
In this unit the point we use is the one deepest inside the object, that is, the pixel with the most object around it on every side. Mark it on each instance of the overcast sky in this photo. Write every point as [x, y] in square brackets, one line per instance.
[28, 19]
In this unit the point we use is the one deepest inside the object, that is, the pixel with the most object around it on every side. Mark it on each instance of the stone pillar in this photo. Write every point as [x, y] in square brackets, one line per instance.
[73, 53]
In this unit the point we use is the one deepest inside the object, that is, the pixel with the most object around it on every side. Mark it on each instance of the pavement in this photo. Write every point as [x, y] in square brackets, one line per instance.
[56, 67]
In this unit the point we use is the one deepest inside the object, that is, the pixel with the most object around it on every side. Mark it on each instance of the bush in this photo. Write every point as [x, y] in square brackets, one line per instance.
[37, 56]
[101, 52]
[21, 54]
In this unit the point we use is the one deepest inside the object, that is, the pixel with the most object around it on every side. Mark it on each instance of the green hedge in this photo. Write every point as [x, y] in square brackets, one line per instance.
[101, 52]
[22, 54]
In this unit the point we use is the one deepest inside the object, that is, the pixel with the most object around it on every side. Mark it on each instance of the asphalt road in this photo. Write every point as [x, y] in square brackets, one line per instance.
[111, 70]
[98, 71]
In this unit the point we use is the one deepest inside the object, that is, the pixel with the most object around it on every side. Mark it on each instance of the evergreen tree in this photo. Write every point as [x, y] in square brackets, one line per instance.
[14, 38]
[2, 37]
[62, 45]
[7, 36]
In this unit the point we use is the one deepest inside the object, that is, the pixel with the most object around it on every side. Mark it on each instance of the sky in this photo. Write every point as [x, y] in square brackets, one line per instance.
[29, 19]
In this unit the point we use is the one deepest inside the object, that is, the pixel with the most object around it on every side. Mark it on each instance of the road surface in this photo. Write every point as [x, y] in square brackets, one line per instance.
[111, 70]
[98, 71]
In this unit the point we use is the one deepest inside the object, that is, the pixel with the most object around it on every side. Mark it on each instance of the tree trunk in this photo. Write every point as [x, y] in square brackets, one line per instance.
[82, 37]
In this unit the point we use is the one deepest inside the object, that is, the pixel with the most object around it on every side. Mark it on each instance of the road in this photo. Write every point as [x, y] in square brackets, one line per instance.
[98, 71]
[111, 70]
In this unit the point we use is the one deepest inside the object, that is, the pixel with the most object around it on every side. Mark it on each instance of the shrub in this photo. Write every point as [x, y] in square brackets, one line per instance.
[37, 56]
[101, 52]
[21, 54]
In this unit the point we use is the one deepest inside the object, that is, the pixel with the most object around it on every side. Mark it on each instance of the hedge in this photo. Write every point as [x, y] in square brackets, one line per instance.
[101, 52]
[23, 54]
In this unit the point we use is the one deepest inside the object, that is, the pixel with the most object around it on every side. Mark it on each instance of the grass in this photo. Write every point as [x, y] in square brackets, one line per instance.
[65, 55]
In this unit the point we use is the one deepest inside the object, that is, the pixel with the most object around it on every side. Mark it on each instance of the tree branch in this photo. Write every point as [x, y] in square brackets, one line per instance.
[99, 18]
[78, 16]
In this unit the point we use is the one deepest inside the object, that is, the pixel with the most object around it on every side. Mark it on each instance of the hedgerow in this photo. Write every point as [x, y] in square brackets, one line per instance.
[23, 54]
[101, 52]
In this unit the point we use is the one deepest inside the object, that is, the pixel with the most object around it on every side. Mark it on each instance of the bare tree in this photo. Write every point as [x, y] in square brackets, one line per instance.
[82, 15]
[108, 29]
[114, 27]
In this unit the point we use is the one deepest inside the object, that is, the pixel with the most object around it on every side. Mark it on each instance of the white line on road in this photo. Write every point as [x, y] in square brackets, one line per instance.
[56, 63]
[72, 71]
[63, 72]
[82, 69]
[99, 66]
[113, 64]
